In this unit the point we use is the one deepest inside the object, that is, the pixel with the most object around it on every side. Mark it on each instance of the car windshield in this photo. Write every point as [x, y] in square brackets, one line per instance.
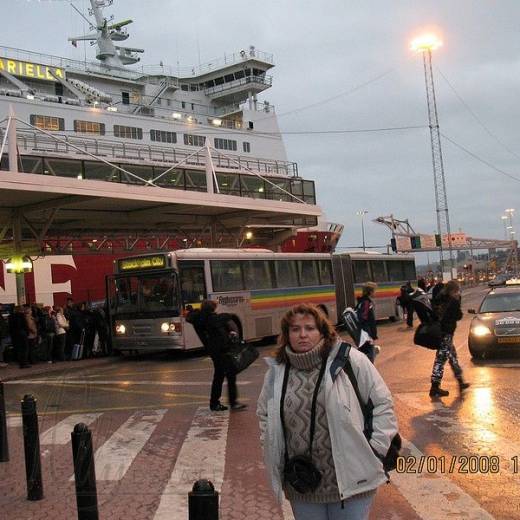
[501, 302]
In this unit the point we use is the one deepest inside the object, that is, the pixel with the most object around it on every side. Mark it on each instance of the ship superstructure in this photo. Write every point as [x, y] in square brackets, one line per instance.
[201, 132]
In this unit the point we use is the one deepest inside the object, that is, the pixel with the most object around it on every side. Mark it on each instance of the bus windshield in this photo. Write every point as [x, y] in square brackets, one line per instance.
[153, 293]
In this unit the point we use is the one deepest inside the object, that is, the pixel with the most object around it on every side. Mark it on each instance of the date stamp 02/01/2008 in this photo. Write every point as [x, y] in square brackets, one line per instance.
[462, 464]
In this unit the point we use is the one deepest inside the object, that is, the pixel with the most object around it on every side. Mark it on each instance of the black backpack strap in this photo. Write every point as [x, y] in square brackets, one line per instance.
[365, 408]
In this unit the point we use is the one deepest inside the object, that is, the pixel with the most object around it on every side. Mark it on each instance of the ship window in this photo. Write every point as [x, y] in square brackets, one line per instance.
[196, 180]
[101, 171]
[171, 179]
[162, 136]
[48, 122]
[194, 87]
[225, 144]
[128, 132]
[58, 89]
[246, 146]
[194, 140]
[89, 127]
[239, 74]
[219, 81]
[210, 83]
[125, 97]
[192, 106]
[229, 78]
[183, 104]
[184, 87]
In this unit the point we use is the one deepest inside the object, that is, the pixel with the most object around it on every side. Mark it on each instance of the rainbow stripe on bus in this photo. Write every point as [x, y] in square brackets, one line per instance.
[383, 290]
[276, 298]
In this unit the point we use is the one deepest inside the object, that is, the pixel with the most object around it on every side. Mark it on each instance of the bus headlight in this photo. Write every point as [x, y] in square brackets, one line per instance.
[120, 329]
[480, 331]
[165, 327]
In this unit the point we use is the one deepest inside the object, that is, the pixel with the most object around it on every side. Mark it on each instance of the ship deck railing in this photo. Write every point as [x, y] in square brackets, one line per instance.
[134, 74]
[31, 141]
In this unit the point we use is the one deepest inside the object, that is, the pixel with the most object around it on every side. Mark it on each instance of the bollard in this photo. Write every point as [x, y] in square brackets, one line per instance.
[203, 501]
[4, 446]
[84, 473]
[31, 442]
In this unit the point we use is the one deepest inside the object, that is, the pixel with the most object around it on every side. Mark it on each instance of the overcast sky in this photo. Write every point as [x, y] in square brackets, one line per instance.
[357, 53]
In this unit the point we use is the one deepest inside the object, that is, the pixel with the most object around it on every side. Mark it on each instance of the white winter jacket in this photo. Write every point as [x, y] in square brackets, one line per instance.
[357, 468]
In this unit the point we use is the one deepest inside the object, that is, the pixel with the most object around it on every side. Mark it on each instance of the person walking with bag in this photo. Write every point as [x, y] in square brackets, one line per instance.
[447, 308]
[312, 423]
[216, 333]
[365, 310]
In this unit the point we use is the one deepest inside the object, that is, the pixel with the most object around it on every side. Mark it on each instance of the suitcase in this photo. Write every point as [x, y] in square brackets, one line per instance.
[77, 348]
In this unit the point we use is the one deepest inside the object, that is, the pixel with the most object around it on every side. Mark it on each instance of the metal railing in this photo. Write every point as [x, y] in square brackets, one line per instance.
[215, 64]
[265, 81]
[88, 66]
[30, 142]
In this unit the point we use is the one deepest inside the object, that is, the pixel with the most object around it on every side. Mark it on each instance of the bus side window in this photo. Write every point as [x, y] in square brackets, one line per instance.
[226, 275]
[308, 272]
[257, 274]
[378, 271]
[325, 268]
[286, 273]
[395, 270]
[361, 271]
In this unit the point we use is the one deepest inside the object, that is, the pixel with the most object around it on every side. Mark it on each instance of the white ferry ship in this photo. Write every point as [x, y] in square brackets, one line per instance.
[198, 144]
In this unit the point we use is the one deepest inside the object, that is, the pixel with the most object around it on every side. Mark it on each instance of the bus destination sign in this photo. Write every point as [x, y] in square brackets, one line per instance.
[142, 262]
[27, 69]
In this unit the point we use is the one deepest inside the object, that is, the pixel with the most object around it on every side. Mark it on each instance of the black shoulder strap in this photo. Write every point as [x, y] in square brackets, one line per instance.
[366, 408]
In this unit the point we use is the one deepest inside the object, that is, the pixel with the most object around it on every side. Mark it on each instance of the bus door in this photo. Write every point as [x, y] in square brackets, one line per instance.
[193, 291]
[344, 282]
[192, 282]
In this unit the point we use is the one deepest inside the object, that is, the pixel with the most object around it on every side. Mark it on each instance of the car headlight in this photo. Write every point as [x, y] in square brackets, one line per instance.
[480, 330]
[120, 329]
[165, 327]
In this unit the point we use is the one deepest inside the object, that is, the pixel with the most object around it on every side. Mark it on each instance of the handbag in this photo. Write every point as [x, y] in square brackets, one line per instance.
[428, 335]
[239, 356]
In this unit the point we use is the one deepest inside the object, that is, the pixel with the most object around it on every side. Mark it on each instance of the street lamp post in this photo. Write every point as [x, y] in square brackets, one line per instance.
[504, 221]
[509, 215]
[425, 45]
[362, 214]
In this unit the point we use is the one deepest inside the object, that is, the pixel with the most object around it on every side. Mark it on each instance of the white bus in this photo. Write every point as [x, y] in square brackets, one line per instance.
[148, 295]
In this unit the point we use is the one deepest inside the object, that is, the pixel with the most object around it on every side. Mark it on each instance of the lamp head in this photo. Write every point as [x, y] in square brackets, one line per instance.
[426, 42]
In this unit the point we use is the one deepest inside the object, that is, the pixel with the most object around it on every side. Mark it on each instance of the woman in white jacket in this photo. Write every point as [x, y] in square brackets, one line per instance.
[315, 450]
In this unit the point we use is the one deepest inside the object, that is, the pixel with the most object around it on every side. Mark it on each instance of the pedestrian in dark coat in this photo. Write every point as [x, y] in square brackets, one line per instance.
[366, 314]
[448, 309]
[18, 331]
[215, 332]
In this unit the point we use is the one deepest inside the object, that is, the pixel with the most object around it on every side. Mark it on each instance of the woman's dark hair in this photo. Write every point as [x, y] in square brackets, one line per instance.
[450, 287]
[208, 306]
[325, 327]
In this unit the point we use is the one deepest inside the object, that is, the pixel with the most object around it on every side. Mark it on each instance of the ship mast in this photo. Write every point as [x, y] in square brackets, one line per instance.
[105, 33]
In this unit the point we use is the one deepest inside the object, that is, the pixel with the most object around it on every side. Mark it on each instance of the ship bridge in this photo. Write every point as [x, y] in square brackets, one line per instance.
[193, 198]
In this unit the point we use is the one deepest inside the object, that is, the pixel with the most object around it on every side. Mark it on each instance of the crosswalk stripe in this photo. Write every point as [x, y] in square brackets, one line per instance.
[202, 455]
[115, 456]
[435, 497]
[60, 433]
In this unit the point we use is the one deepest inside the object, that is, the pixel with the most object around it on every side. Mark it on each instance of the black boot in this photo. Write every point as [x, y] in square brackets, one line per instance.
[437, 391]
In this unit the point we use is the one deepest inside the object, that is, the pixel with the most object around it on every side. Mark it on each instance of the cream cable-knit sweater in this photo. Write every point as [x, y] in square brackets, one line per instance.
[303, 376]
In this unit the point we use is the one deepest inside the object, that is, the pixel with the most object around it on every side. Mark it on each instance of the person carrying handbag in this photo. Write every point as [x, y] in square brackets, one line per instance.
[447, 308]
[216, 334]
